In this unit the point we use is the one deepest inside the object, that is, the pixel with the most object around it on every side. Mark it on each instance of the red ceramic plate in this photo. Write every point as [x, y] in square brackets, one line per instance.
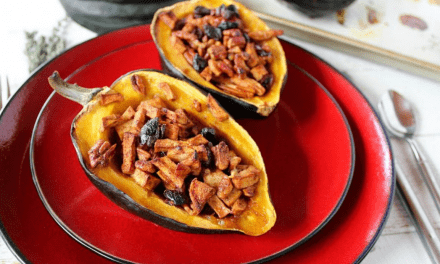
[306, 144]
[35, 237]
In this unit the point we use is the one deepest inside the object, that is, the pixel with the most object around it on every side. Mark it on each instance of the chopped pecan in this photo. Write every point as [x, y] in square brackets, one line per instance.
[138, 121]
[239, 41]
[233, 196]
[225, 66]
[145, 165]
[177, 44]
[213, 66]
[239, 206]
[234, 160]
[111, 121]
[206, 74]
[179, 153]
[259, 72]
[145, 180]
[216, 110]
[197, 140]
[172, 131]
[128, 114]
[221, 155]
[143, 154]
[101, 153]
[168, 18]
[250, 191]
[199, 194]
[124, 127]
[217, 52]
[109, 98]
[167, 172]
[138, 84]
[253, 56]
[218, 206]
[128, 153]
[249, 84]
[151, 108]
[182, 171]
[262, 35]
[235, 90]
[246, 177]
[224, 187]
[189, 56]
[213, 178]
[197, 105]
[190, 37]
[165, 87]
[194, 164]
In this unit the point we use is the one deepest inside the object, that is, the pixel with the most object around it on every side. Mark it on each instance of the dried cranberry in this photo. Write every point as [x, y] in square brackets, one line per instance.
[199, 63]
[201, 11]
[212, 32]
[227, 25]
[175, 197]
[267, 80]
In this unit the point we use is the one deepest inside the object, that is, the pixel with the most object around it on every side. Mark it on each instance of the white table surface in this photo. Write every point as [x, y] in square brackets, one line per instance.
[399, 242]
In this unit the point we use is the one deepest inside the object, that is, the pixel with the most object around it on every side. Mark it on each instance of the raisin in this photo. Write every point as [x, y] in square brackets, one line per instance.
[180, 24]
[148, 130]
[246, 37]
[227, 25]
[230, 12]
[210, 160]
[199, 63]
[198, 32]
[162, 129]
[175, 197]
[201, 11]
[267, 80]
[212, 32]
[261, 52]
[209, 134]
[219, 10]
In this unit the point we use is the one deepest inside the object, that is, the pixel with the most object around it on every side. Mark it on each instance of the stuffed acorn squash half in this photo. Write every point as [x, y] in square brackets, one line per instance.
[225, 49]
[161, 149]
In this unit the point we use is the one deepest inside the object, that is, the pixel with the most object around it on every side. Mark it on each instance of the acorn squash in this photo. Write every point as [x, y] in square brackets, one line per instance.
[219, 27]
[163, 205]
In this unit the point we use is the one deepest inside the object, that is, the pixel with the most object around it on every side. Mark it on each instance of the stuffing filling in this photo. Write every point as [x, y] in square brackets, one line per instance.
[216, 43]
[168, 152]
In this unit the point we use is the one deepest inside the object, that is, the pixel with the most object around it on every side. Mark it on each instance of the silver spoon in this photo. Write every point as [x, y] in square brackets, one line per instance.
[399, 120]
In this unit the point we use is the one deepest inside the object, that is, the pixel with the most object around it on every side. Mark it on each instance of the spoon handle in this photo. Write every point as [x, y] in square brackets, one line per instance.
[429, 179]
[424, 227]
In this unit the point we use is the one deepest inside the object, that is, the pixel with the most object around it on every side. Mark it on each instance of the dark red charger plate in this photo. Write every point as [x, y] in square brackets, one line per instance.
[306, 143]
[34, 236]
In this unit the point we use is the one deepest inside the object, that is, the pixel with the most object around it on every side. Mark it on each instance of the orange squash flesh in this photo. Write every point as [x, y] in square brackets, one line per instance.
[259, 216]
[175, 62]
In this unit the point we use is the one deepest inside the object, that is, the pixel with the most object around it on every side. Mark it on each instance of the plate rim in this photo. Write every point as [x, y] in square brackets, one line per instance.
[273, 255]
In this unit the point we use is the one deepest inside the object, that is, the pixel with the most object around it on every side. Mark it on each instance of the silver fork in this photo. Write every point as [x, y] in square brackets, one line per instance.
[8, 91]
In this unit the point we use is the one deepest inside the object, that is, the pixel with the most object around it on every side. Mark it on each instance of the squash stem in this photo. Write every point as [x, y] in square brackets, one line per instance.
[72, 92]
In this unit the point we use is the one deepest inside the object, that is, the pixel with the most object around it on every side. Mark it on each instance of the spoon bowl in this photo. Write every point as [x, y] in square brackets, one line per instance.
[399, 119]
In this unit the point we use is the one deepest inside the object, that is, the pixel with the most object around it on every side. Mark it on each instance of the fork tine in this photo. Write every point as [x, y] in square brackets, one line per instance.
[8, 88]
[1, 105]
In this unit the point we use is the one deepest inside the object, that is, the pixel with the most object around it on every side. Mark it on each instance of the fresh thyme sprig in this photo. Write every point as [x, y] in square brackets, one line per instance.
[42, 49]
